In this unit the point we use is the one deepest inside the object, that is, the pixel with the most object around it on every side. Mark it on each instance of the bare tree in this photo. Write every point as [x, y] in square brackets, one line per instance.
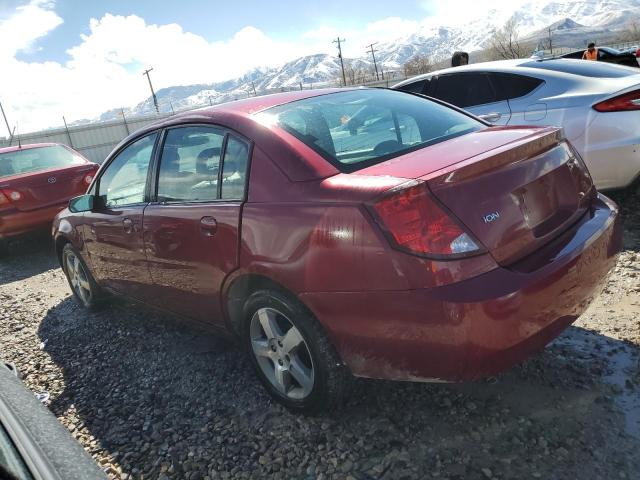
[505, 44]
[631, 32]
[418, 64]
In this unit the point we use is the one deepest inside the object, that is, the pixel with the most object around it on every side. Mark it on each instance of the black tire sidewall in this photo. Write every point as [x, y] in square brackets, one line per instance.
[302, 320]
[95, 290]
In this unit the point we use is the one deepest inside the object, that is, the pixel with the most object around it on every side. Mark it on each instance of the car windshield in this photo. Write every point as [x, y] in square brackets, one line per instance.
[358, 128]
[584, 69]
[11, 465]
[28, 160]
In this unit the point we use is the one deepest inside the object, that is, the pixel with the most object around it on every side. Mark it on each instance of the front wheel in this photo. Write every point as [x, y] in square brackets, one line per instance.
[291, 353]
[85, 289]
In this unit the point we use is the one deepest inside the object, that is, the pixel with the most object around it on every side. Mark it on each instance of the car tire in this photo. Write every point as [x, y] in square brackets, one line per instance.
[291, 353]
[84, 287]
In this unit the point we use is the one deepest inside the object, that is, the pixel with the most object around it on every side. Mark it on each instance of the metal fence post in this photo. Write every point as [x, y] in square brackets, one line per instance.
[68, 133]
[124, 119]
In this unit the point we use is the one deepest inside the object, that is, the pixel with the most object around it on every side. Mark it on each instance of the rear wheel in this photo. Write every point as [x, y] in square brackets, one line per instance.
[291, 353]
[85, 289]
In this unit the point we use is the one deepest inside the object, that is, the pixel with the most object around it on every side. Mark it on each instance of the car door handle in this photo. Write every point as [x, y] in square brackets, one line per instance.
[127, 225]
[492, 117]
[208, 226]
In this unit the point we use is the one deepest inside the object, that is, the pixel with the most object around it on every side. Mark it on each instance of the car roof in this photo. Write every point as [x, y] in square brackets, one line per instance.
[253, 105]
[518, 66]
[27, 147]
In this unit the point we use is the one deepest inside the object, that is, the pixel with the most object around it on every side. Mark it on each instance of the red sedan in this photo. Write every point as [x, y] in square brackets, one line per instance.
[36, 182]
[362, 232]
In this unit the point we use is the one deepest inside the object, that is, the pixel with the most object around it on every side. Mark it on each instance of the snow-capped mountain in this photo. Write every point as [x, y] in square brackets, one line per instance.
[573, 22]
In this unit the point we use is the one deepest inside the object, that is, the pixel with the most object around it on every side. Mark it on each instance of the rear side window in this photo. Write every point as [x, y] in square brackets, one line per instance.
[357, 128]
[510, 86]
[202, 164]
[189, 164]
[465, 89]
[584, 68]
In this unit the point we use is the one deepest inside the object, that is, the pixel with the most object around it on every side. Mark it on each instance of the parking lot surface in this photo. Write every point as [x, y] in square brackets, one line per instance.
[149, 397]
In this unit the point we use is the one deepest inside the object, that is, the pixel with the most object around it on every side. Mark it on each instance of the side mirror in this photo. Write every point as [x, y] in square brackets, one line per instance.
[83, 203]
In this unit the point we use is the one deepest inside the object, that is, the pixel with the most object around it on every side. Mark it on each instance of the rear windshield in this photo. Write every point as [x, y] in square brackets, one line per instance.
[583, 68]
[35, 159]
[358, 128]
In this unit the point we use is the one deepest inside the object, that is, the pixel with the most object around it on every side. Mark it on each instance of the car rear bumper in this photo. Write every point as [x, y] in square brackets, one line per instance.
[477, 327]
[16, 222]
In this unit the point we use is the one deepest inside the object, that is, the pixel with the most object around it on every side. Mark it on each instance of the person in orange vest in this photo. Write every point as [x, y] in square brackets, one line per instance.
[591, 53]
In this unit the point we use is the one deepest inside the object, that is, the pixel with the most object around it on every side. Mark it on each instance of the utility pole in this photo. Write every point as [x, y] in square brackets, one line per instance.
[339, 42]
[155, 99]
[373, 54]
[550, 41]
[5, 119]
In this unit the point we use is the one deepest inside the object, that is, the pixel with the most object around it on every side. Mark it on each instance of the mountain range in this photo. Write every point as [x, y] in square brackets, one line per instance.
[572, 23]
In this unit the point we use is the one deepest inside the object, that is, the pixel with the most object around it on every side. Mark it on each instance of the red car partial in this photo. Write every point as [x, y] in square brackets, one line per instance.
[364, 232]
[36, 182]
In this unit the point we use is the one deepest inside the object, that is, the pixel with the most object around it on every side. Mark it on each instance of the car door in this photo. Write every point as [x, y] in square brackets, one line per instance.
[113, 230]
[192, 228]
[519, 91]
[474, 92]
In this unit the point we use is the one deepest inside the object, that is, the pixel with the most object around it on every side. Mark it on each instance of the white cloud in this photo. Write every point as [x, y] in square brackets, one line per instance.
[104, 69]
[25, 26]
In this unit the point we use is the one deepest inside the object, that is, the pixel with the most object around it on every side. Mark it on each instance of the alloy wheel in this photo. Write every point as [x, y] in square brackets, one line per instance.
[282, 353]
[78, 278]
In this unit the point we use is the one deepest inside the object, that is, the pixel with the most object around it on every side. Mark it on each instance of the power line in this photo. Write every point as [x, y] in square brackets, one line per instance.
[153, 94]
[375, 65]
[339, 42]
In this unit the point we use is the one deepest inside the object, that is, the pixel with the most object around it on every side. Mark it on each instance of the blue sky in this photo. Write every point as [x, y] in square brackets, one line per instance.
[216, 20]
[79, 58]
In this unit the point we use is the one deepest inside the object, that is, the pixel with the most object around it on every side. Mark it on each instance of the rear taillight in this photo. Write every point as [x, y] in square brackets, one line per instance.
[415, 223]
[621, 103]
[7, 197]
[88, 179]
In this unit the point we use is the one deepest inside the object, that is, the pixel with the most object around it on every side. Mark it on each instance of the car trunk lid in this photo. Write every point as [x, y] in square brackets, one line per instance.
[517, 197]
[44, 188]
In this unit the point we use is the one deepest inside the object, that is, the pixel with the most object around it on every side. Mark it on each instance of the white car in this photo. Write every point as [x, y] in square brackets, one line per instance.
[598, 104]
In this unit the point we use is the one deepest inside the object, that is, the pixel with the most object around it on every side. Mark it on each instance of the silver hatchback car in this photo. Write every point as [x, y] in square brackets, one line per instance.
[597, 104]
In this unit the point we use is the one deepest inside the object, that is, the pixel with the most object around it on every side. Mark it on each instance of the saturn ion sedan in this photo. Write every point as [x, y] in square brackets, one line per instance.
[338, 233]
[36, 182]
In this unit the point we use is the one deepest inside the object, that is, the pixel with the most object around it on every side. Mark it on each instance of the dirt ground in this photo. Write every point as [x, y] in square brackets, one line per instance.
[150, 398]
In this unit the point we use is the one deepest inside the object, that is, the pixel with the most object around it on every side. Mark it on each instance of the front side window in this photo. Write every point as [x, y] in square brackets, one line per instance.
[357, 128]
[189, 164]
[29, 160]
[125, 178]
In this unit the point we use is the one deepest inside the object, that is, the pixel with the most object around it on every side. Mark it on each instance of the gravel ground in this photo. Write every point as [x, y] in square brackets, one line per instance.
[150, 398]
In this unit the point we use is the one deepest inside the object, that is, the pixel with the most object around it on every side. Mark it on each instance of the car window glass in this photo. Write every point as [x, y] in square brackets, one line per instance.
[362, 127]
[10, 460]
[189, 164]
[234, 169]
[30, 160]
[465, 90]
[124, 180]
[416, 87]
[510, 86]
